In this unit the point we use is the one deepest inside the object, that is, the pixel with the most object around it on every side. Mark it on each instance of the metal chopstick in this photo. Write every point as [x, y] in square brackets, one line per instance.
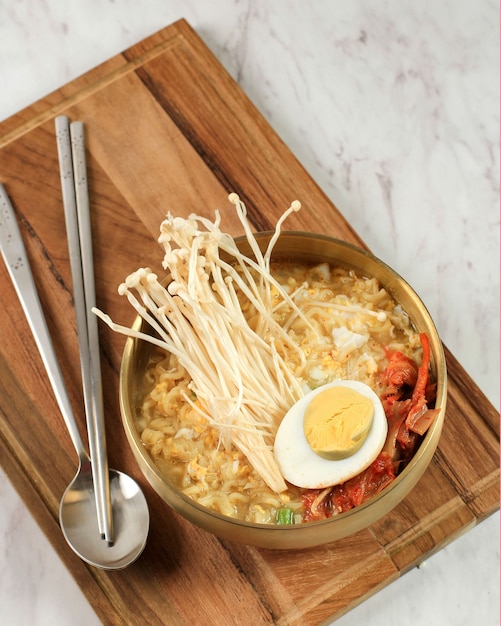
[73, 170]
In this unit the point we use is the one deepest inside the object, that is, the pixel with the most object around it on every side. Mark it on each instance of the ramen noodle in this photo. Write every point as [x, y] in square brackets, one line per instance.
[345, 327]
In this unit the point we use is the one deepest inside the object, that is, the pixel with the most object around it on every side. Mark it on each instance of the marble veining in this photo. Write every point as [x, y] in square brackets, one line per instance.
[393, 108]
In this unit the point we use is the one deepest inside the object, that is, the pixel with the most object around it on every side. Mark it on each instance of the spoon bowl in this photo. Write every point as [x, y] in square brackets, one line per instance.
[79, 522]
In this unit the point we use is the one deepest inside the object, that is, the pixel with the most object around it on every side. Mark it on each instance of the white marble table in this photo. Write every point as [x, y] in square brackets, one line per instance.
[393, 109]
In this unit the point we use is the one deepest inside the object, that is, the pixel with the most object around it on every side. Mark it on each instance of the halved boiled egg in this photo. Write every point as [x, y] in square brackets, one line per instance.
[330, 435]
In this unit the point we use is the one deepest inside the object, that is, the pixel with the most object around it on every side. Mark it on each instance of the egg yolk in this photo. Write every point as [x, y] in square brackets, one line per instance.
[337, 422]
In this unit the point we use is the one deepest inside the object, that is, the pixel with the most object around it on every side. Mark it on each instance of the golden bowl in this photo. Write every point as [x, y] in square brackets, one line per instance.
[303, 247]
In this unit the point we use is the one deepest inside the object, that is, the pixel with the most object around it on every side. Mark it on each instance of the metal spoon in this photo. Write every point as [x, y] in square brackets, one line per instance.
[77, 511]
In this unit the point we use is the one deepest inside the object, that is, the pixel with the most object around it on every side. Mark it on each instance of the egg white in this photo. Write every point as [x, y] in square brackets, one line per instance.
[302, 467]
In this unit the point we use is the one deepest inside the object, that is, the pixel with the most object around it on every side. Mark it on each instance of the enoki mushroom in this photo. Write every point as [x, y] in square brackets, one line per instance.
[240, 375]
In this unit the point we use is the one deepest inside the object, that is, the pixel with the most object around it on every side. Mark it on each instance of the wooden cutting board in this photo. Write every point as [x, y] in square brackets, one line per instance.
[168, 129]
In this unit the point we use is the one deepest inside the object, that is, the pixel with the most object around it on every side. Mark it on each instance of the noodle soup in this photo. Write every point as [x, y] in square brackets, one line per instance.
[230, 345]
[344, 326]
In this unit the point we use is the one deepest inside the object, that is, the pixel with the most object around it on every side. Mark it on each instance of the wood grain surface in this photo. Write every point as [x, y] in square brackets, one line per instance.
[169, 130]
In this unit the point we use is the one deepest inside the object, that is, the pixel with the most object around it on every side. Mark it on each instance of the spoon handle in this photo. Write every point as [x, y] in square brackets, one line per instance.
[71, 149]
[18, 266]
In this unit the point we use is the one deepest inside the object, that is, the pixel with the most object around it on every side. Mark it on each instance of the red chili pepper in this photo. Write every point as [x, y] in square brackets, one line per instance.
[419, 408]
[422, 377]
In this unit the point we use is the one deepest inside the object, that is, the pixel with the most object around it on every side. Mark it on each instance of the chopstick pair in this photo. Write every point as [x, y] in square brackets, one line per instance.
[73, 171]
